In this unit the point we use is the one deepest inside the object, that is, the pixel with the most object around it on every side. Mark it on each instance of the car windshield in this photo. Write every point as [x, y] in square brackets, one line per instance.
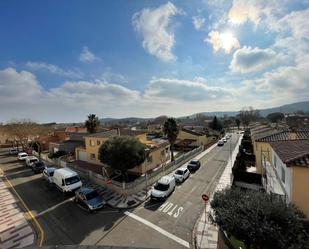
[193, 162]
[179, 172]
[33, 160]
[161, 187]
[72, 180]
[92, 195]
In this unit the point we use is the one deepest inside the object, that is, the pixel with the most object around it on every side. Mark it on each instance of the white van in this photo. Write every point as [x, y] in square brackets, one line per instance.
[163, 188]
[66, 180]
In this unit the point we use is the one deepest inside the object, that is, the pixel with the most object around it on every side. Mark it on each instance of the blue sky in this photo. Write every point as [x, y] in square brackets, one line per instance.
[60, 61]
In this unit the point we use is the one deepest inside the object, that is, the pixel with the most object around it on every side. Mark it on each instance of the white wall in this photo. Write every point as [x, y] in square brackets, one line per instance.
[288, 174]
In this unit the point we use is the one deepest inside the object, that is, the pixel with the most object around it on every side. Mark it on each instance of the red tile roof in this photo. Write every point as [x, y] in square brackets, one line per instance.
[284, 135]
[292, 152]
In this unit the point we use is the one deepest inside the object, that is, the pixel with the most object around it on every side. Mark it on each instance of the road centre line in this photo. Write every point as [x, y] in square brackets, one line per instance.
[158, 229]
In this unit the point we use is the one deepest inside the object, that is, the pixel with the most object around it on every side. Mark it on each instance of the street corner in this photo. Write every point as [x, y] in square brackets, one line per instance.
[15, 230]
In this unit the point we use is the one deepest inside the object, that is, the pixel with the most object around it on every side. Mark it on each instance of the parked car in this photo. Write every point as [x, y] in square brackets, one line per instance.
[38, 167]
[30, 160]
[13, 151]
[193, 165]
[220, 143]
[89, 198]
[224, 140]
[22, 156]
[66, 180]
[181, 174]
[163, 188]
[48, 174]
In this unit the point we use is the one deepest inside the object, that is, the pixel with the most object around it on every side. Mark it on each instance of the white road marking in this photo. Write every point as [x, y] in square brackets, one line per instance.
[54, 207]
[172, 208]
[19, 172]
[158, 229]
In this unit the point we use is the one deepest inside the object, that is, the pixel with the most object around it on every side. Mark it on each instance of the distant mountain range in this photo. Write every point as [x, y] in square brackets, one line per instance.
[289, 108]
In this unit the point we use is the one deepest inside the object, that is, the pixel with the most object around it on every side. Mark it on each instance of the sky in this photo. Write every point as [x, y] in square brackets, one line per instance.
[61, 60]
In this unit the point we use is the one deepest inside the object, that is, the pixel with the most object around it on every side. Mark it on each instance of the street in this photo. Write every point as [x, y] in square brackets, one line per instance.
[154, 225]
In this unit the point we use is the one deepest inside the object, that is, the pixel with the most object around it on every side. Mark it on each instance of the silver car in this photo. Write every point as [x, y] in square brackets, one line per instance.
[48, 174]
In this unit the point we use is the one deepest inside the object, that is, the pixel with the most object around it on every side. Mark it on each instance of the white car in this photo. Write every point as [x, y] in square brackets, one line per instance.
[224, 140]
[163, 188]
[181, 174]
[31, 160]
[220, 143]
[22, 156]
[13, 151]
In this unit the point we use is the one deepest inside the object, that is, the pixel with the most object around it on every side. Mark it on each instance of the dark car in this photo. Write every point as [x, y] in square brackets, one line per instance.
[194, 165]
[38, 167]
[89, 199]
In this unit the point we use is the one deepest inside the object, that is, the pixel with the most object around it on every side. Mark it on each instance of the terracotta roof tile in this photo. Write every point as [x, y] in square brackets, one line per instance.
[284, 135]
[292, 152]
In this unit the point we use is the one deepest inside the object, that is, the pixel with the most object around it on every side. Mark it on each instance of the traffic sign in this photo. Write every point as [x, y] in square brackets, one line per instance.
[205, 197]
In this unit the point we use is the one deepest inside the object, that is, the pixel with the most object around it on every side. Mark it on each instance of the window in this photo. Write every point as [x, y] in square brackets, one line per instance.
[282, 175]
[98, 142]
[92, 143]
[92, 156]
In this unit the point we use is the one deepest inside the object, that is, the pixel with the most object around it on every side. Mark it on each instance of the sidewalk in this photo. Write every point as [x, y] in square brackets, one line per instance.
[206, 234]
[15, 230]
[117, 200]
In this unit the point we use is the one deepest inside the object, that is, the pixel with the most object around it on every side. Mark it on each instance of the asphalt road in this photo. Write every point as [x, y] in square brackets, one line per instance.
[154, 225]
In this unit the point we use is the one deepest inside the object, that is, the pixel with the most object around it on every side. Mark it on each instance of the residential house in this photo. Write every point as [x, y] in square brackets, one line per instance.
[287, 173]
[192, 137]
[159, 150]
[262, 146]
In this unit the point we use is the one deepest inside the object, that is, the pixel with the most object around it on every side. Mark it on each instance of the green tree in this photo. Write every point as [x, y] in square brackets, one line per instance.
[92, 123]
[171, 130]
[259, 220]
[275, 117]
[237, 122]
[122, 153]
[215, 124]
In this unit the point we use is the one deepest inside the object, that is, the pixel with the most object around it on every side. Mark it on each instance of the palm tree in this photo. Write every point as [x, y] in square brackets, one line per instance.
[92, 123]
[171, 130]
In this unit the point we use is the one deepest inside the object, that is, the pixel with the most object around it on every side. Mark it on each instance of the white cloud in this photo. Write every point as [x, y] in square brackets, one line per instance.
[185, 90]
[22, 96]
[248, 59]
[198, 22]
[225, 41]
[87, 56]
[18, 87]
[285, 83]
[153, 25]
[243, 10]
[36, 66]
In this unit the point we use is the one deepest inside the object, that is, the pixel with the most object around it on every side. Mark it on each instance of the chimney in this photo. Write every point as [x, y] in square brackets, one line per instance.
[292, 135]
